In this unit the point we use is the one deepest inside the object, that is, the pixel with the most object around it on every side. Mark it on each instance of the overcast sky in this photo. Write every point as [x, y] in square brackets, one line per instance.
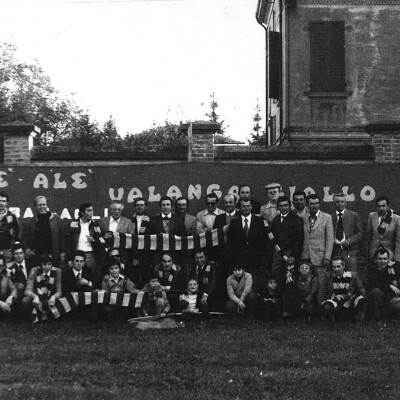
[146, 60]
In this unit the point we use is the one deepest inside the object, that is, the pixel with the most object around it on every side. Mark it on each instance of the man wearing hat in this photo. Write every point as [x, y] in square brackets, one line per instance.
[270, 210]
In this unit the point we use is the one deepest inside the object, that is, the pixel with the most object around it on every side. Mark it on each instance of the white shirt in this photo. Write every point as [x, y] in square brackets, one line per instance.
[139, 219]
[23, 268]
[113, 224]
[77, 272]
[248, 217]
[83, 242]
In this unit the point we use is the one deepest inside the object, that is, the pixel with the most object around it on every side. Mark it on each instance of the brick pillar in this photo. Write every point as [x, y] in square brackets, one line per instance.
[200, 140]
[17, 142]
[386, 142]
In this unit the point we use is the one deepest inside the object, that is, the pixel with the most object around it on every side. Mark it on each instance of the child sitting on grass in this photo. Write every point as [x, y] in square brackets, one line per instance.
[114, 282]
[270, 303]
[192, 301]
[157, 304]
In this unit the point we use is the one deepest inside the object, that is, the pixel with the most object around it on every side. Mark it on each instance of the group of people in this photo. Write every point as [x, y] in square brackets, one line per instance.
[279, 260]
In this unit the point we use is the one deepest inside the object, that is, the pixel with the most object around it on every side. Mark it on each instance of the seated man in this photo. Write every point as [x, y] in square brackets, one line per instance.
[242, 299]
[18, 271]
[383, 285]
[44, 283]
[79, 279]
[342, 292]
[172, 278]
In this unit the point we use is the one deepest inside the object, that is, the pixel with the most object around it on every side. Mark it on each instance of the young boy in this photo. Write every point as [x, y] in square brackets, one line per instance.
[44, 283]
[158, 303]
[193, 300]
[115, 282]
[240, 293]
[270, 302]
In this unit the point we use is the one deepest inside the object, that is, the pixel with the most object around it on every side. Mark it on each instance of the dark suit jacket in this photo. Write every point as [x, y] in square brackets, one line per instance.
[57, 228]
[252, 246]
[11, 272]
[289, 234]
[68, 281]
[176, 226]
[220, 220]
[353, 230]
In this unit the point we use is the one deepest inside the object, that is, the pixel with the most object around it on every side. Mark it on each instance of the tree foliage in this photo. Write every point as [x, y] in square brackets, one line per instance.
[257, 135]
[212, 114]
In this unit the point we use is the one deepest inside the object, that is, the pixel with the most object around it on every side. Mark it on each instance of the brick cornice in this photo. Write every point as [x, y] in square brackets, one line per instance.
[349, 2]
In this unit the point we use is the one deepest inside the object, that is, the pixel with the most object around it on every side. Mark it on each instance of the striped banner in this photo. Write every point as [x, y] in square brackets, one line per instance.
[167, 242]
[72, 300]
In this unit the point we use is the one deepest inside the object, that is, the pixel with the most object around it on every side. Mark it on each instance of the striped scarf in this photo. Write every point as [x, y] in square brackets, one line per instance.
[166, 277]
[45, 288]
[166, 242]
[145, 224]
[72, 300]
[385, 222]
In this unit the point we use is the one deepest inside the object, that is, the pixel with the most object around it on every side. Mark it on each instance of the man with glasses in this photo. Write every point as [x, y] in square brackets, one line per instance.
[205, 219]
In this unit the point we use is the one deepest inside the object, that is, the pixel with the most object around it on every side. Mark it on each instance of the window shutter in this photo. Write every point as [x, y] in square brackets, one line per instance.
[274, 64]
[336, 57]
[327, 56]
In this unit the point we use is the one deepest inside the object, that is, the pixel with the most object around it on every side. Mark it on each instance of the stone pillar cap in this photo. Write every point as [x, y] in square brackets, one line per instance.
[18, 127]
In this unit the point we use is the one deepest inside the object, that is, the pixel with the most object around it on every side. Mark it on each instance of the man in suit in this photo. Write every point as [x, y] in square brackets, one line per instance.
[287, 229]
[383, 230]
[348, 232]
[206, 218]
[18, 271]
[43, 233]
[221, 253]
[166, 222]
[318, 237]
[247, 237]
[115, 222]
[189, 221]
[79, 279]
[184, 259]
[224, 219]
[141, 258]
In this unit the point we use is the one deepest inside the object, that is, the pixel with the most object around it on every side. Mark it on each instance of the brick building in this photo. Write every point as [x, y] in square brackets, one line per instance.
[333, 71]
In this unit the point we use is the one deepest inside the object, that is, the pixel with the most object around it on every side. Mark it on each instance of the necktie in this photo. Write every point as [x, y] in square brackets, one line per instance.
[78, 275]
[166, 218]
[246, 227]
[46, 278]
[282, 218]
[313, 218]
[339, 227]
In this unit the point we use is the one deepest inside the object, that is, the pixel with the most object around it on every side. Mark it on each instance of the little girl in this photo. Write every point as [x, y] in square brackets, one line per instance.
[192, 301]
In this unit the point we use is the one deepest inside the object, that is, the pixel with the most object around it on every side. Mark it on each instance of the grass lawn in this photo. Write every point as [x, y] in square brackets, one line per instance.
[220, 359]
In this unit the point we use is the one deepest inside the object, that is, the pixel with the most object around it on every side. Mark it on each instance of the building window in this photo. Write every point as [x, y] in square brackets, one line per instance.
[327, 42]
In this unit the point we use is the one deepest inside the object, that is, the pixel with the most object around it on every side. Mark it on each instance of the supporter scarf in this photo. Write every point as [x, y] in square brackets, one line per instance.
[385, 222]
[46, 289]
